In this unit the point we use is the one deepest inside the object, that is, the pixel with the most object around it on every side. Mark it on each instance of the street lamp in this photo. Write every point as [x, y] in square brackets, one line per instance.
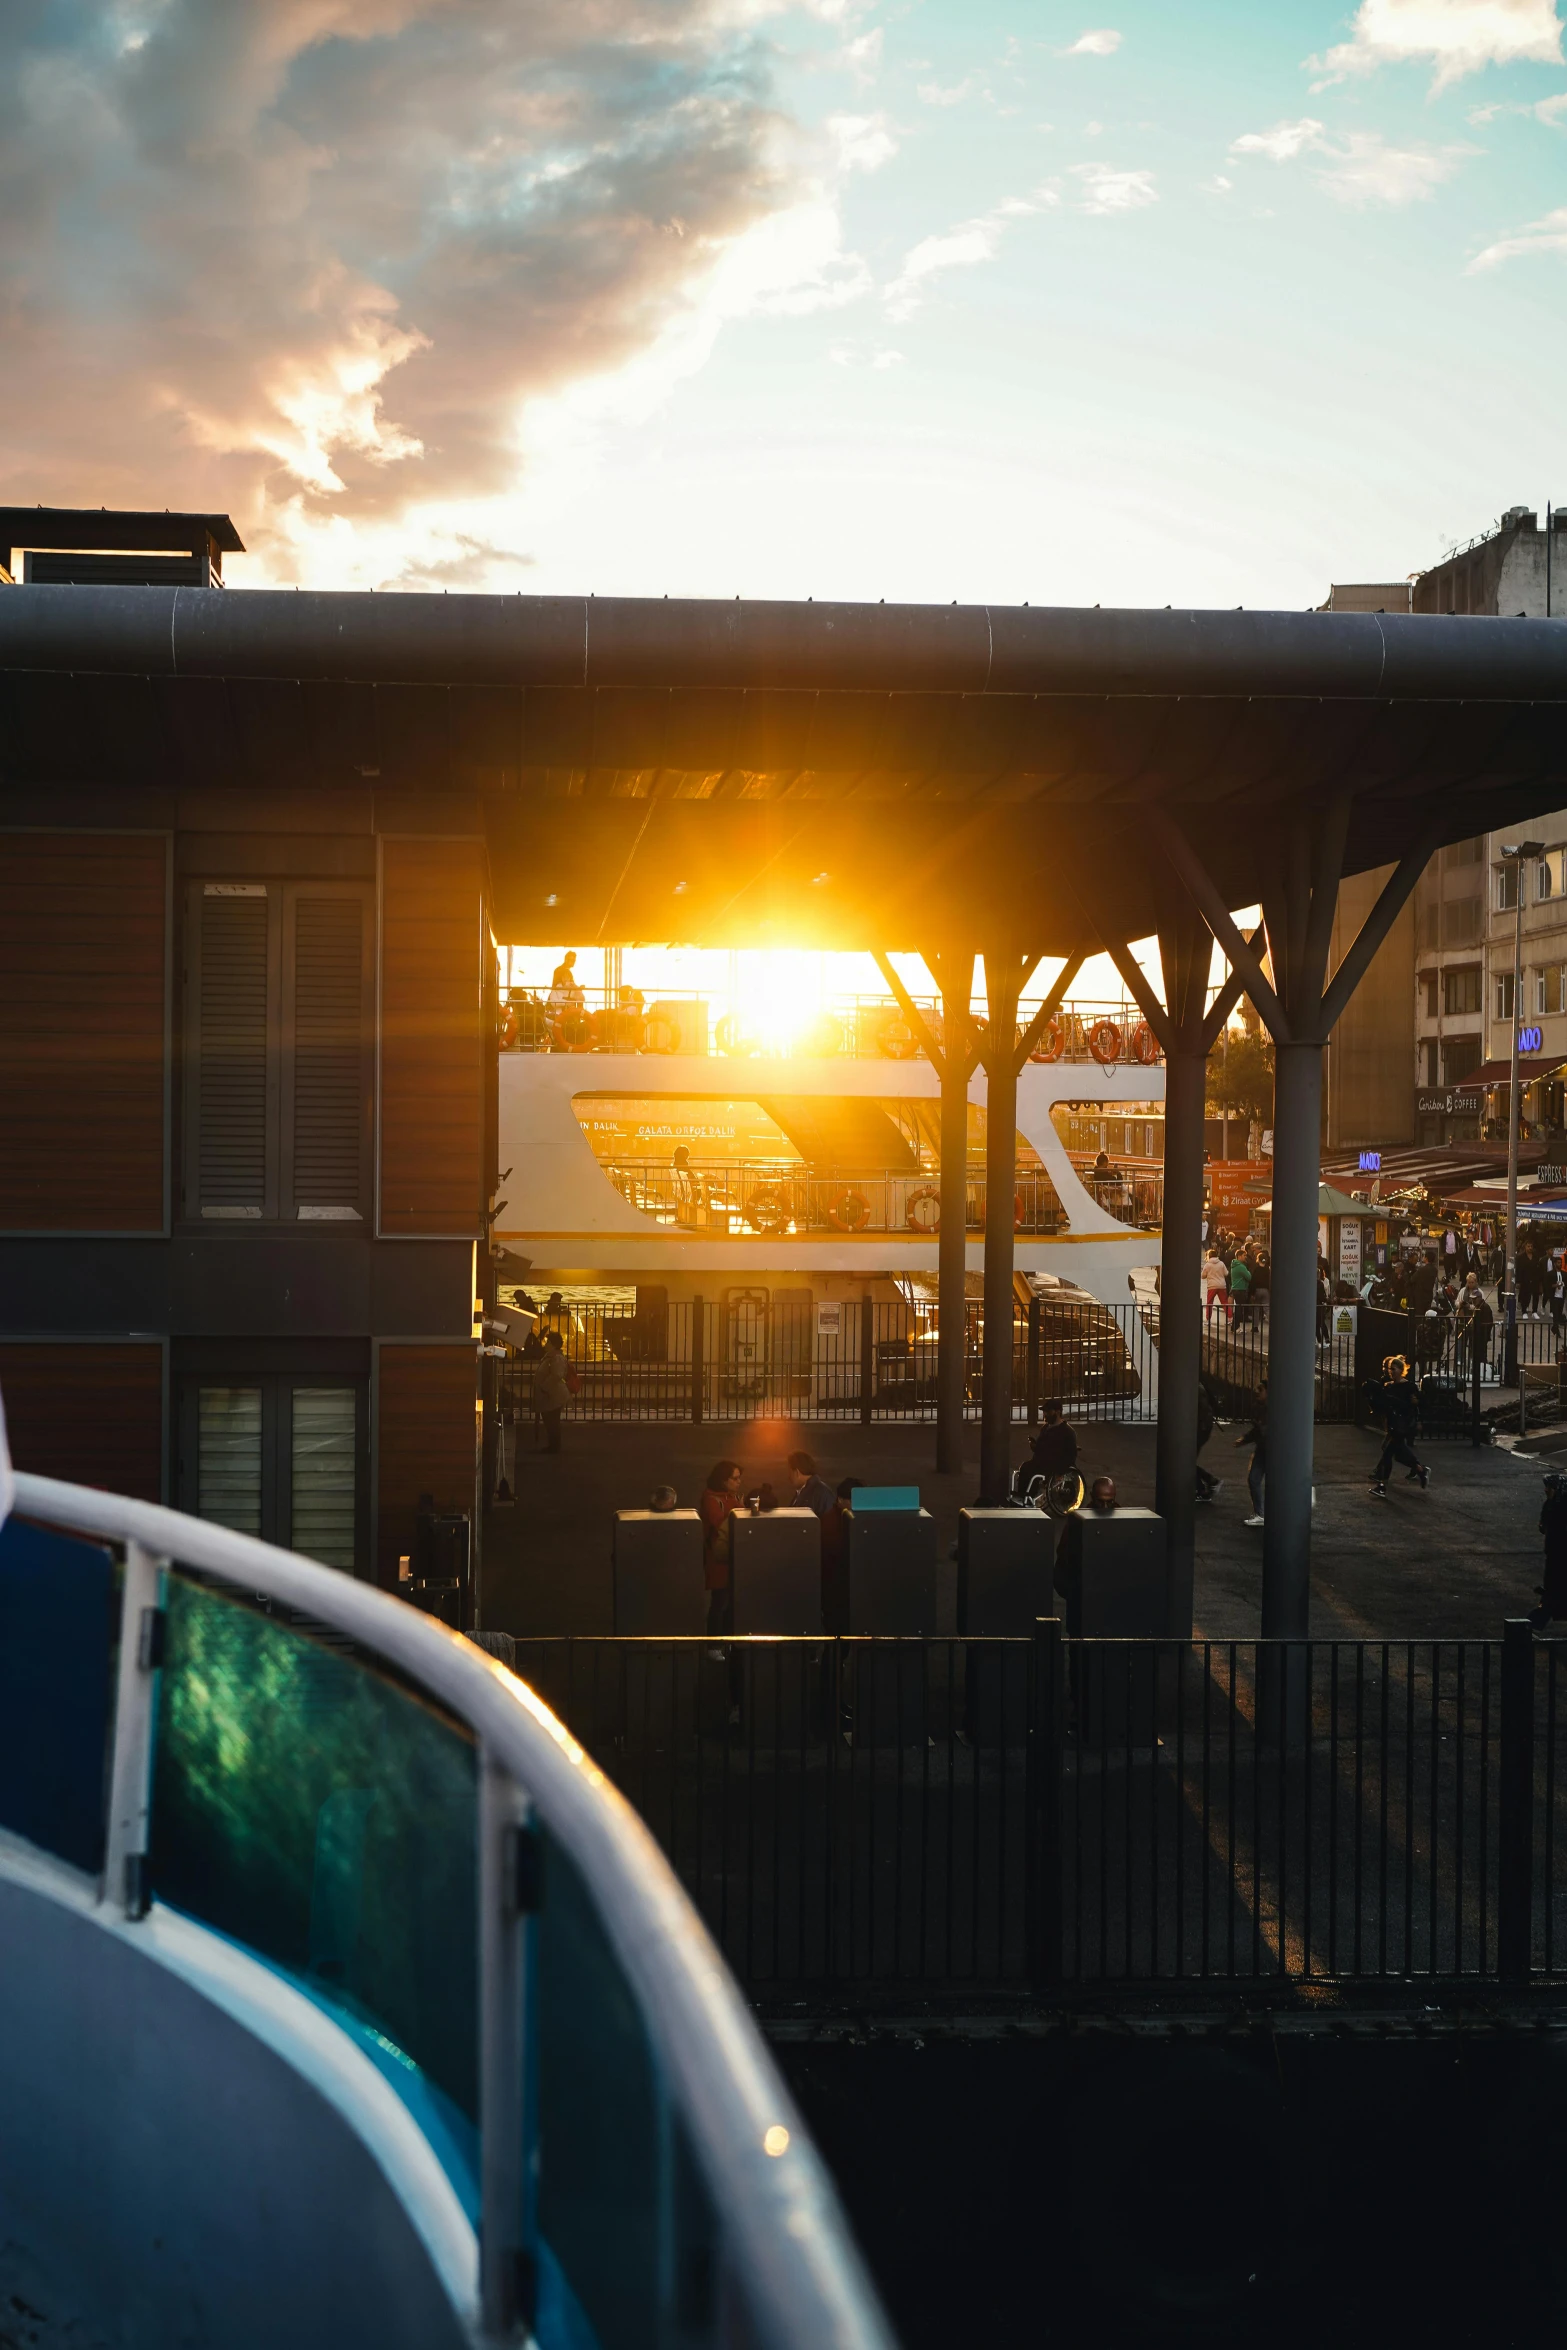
[1518, 857]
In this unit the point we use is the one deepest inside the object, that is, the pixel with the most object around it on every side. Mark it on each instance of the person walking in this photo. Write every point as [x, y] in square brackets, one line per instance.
[1396, 1402]
[1240, 1290]
[1556, 1294]
[716, 1504]
[1216, 1285]
[1553, 1528]
[551, 1389]
[1257, 1467]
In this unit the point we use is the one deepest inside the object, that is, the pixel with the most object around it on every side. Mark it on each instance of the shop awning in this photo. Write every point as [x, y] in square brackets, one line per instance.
[1492, 1073]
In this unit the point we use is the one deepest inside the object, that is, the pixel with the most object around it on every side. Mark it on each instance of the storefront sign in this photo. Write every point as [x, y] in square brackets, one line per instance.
[1530, 1039]
[1349, 1251]
[1236, 1188]
[1458, 1102]
[1371, 1162]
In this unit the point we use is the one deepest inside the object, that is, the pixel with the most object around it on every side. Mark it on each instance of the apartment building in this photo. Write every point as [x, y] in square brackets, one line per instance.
[1466, 905]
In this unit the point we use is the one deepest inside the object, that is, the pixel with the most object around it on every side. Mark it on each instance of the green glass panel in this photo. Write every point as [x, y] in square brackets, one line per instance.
[600, 2133]
[320, 1813]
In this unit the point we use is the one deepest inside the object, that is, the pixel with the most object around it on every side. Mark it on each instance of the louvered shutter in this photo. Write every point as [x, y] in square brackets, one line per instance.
[328, 1060]
[231, 1047]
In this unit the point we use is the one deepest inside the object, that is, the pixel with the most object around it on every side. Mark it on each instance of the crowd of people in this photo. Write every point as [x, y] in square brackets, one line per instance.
[1237, 1276]
[723, 1494]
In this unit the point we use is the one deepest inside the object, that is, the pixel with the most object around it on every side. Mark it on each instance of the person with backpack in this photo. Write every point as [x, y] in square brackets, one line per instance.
[1395, 1400]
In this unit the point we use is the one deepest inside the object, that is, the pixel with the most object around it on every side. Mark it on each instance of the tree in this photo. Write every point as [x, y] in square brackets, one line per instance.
[1240, 1076]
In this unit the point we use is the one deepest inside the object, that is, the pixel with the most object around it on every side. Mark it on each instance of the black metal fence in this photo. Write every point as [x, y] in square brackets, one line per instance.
[1005, 1814]
[775, 1354]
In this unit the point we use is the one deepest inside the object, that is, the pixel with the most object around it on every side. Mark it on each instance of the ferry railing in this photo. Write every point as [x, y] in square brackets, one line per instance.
[856, 1027]
[760, 1198]
[222, 1637]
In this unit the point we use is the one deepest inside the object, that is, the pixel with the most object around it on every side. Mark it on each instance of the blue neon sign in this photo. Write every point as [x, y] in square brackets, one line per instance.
[1530, 1039]
[1371, 1162]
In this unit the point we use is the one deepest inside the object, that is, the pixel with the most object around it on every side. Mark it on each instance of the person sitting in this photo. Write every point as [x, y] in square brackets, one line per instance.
[811, 1491]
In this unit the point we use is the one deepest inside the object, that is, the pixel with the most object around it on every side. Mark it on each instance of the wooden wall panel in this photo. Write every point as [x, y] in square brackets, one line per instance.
[83, 946]
[426, 1440]
[432, 1042]
[92, 1414]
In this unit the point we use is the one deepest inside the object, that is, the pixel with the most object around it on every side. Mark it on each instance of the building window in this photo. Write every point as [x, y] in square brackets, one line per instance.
[1550, 988]
[282, 1459]
[1430, 927]
[1430, 1052]
[1428, 989]
[1507, 887]
[1461, 989]
[1550, 875]
[1461, 922]
[1504, 995]
[1463, 852]
[1461, 1057]
[277, 979]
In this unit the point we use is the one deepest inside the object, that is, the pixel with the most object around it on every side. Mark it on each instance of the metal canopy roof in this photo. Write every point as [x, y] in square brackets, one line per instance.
[815, 774]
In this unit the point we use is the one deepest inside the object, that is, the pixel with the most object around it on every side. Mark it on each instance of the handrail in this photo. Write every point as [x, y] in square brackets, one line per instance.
[806, 2286]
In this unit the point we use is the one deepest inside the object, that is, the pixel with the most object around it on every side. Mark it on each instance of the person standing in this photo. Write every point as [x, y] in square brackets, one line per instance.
[1396, 1400]
[1553, 1528]
[1216, 1285]
[811, 1491]
[1257, 1467]
[716, 1504]
[1207, 1483]
[551, 1389]
[1240, 1290]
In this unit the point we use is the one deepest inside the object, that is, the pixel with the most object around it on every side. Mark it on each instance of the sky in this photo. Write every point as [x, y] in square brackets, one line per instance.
[1205, 304]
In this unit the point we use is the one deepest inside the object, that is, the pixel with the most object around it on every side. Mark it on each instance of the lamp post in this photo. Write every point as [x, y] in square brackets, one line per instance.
[1518, 857]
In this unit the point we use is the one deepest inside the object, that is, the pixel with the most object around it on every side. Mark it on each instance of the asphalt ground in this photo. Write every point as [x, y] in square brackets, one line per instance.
[1450, 1562]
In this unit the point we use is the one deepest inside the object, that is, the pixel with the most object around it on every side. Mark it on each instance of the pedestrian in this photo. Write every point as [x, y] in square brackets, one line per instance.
[1553, 1527]
[1207, 1483]
[835, 1559]
[1257, 1467]
[1557, 1292]
[1053, 1455]
[1240, 1290]
[1216, 1286]
[1396, 1402]
[551, 1389]
[716, 1504]
[1473, 1322]
[811, 1492]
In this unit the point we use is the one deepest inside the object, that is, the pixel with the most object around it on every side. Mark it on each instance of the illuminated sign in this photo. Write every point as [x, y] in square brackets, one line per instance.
[1371, 1162]
[1530, 1039]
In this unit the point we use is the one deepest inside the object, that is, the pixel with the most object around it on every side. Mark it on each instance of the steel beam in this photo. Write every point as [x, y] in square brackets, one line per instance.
[1004, 976]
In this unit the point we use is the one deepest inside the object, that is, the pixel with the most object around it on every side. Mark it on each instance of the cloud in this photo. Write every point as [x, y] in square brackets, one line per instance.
[1458, 37]
[1546, 235]
[1359, 168]
[962, 247]
[1101, 44]
[953, 93]
[329, 253]
[863, 141]
[1107, 190]
[1550, 110]
[862, 55]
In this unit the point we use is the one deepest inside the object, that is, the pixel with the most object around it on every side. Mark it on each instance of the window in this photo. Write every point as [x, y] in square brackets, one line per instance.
[280, 1458]
[1430, 1053]
[1461, 989]
[1506, 887]
[1461, 1057]
[1430, 927]
[1428, 989]
[277, 1066]
[1461, 921]
[1504, 995]
[1550, 875]
[1550, 988]
[1463, 852]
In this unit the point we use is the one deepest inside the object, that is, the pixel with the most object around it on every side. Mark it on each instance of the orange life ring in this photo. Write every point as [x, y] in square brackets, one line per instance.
[1018, 1211]
[1051, 1045]
[1145, 1045]
[897, 1038]
[850, 1211]
[661, 1035]
[768, 1209]
[508, 1028]
[727, 1035]
[1106, 1043]
[927, 1193]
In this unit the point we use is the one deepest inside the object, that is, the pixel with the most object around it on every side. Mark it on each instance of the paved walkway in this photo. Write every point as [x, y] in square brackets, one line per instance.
[1448, 1562]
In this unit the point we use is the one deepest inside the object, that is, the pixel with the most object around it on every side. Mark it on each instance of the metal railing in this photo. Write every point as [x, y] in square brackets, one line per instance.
[197, 1601]
[767, 1355]
[857, 1027]
[747, 1198]
[1035, 1813]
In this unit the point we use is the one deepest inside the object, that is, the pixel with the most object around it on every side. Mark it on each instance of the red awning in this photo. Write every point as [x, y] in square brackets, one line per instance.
[1492, 1073]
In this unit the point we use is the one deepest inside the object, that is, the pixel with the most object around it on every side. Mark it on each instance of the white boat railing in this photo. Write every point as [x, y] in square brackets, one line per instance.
[785, 2249]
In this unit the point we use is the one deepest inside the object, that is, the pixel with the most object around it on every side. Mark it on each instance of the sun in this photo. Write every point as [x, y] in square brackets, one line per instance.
[781, 994]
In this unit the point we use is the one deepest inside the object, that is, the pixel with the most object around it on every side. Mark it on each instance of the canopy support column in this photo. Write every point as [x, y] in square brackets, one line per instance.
[1003, 984]
[1299, 1007]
